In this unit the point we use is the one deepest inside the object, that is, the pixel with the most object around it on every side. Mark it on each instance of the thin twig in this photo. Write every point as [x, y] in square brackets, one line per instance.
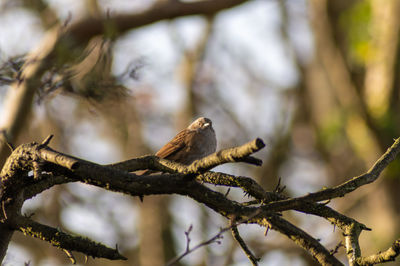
[278, 189]
[336, 249]
[215, 239]
[47, 140]
[235, 233]
[70, 256]
[6, 141]
[4, 210]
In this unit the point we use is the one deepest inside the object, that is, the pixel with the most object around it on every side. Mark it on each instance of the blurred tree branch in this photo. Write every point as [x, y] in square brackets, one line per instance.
[20, 96]
[338, 78]
[70, 38]
[89, 27]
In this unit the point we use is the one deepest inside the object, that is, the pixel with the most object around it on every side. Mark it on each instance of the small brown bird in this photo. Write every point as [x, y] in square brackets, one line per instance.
[195, 142]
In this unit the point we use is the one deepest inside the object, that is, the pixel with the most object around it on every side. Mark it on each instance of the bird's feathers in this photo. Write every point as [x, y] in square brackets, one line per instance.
[175, 145]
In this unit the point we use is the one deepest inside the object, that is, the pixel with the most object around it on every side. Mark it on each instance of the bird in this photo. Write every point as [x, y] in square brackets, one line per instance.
[192, 143]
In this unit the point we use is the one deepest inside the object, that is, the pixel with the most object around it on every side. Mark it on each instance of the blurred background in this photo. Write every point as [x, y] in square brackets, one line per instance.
[317, 80]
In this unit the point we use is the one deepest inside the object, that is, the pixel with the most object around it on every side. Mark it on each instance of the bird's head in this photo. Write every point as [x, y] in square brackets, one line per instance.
[200, 123]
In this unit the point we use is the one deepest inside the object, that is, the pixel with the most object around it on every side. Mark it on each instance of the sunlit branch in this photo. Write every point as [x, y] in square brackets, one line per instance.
[386, 256]
[55, 168]
[65, 241]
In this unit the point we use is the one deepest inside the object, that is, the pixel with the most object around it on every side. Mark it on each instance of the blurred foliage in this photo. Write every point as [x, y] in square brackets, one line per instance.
[331, 129]
[10, 69]
[355, 23]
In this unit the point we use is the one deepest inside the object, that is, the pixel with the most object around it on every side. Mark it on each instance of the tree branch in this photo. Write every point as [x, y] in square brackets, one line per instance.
[235, 233]
[214, 239]
[248, 185]
[352, 245]
[57, 168]
[339, 191]
[65, 241]
[20, 98]
[89, 27]
[389, 255]
[301, 238]
[237, 154]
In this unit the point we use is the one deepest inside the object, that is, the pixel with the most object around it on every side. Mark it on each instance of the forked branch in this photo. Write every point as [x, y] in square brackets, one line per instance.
[50, 168]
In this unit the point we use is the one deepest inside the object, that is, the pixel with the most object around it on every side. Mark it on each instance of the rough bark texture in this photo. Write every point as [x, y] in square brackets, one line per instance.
[50, 167]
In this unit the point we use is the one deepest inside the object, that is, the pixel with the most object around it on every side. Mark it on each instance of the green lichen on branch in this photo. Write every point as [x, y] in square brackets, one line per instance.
[248, 185]
[237, 154]
[58, 168]
[66, 241]
[388, 255]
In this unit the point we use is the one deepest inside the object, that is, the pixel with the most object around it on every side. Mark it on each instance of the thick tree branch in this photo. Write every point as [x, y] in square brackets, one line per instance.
[352, 245]
[301, 238]
[128, 183]
[57, 168]
[336, 218]
[248, 185]
[65, 241]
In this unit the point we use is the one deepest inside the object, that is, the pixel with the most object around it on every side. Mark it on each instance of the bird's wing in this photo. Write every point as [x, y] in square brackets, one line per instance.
[175, 145]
